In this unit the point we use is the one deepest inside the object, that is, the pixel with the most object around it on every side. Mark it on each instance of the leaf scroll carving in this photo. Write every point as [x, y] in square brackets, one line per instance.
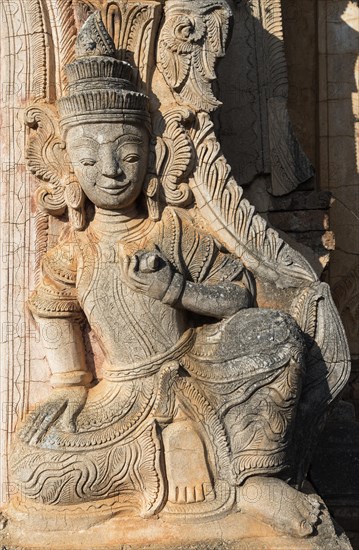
[174, 156]
[46, 158]
[192, 39]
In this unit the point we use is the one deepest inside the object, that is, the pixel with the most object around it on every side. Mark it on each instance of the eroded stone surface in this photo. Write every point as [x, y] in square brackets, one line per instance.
[216, 350]
[236, 532]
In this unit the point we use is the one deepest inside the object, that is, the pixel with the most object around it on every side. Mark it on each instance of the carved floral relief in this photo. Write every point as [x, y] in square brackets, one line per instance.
[222, 351]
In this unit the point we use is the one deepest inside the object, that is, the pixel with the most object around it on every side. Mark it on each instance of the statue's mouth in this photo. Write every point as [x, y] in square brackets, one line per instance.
[116, 190]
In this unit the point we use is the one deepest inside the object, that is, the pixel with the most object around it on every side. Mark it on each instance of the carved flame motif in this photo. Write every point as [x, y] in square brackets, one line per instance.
[192, 39]
[94, 39]
[47, 159]
[133, 28]
[233, 218]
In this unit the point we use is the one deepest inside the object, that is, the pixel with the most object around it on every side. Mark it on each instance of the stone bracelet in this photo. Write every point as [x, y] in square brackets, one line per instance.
[175, 290]
[72, 378]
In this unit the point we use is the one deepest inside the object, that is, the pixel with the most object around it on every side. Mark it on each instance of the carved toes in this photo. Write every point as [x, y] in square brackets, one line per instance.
[199, 493]
[310, 510]
[314, 502]
[187, 494]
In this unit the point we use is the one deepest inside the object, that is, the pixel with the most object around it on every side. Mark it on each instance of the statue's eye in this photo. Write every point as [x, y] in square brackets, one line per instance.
[88, 162]
[131, 158]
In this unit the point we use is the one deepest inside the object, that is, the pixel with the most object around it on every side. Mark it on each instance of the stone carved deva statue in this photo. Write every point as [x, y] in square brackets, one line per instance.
[222, 351]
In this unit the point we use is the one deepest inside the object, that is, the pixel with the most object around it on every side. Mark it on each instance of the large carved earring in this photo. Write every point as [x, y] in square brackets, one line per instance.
[75, 200]
[152, 198]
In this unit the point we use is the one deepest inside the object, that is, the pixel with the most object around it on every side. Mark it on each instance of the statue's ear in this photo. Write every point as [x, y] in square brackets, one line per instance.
[152, 195]
[152, 184]
[75, 201]
[47, 159]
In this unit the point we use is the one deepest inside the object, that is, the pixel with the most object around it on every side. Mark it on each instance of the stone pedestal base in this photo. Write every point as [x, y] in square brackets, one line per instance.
[235, 532]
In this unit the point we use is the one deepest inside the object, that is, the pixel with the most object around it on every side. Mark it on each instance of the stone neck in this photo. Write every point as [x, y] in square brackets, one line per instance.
[116, 223]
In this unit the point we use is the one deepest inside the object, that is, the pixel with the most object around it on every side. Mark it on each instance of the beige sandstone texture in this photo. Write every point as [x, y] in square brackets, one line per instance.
[168, 358]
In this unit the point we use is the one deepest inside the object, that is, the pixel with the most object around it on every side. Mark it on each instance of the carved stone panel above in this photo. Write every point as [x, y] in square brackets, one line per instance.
[254, 124]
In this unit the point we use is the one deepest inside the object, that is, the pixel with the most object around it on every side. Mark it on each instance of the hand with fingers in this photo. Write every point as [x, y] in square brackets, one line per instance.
[63, 405]
[149, 273]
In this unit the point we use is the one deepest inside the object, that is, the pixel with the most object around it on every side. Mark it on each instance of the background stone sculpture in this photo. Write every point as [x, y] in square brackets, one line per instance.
[258, 94]
[205, 139]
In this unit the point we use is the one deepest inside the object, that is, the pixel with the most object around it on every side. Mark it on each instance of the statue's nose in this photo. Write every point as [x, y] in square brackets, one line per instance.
[111, 167]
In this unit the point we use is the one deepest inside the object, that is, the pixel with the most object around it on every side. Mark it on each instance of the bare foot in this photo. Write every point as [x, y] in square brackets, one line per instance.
[187, 472]
[274, 502]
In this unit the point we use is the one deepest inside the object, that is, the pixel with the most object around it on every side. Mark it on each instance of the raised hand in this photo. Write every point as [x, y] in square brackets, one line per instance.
[147, 272]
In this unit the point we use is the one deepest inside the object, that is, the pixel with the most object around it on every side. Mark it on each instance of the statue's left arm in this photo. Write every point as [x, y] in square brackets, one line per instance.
[214, 300]
[189, 271]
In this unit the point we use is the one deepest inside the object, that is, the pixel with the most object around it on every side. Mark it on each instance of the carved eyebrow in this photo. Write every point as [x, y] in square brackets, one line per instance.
[121, 140]
[85, 142]
[129, 139]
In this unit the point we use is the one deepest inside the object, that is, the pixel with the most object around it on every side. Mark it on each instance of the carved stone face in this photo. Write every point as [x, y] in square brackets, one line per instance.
[110, 162]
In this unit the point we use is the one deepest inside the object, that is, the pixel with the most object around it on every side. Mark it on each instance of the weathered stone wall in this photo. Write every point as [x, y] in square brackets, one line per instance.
[322, 51]
[300, 42]
[321, 215]
[321, 41]
[338, 39]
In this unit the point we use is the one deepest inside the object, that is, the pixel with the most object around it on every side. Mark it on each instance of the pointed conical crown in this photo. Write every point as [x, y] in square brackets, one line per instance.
[100, 86]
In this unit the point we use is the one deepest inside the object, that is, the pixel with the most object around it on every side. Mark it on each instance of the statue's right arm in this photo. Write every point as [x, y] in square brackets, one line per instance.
[59, 316]
[63, 345]
[62, 342]
[55, 308]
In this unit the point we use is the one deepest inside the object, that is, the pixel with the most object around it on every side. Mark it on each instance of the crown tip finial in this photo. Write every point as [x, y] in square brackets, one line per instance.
[93, 39]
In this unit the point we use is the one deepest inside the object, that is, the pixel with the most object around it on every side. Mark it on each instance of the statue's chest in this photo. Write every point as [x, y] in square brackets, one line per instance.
[102, 291]
[122, 318]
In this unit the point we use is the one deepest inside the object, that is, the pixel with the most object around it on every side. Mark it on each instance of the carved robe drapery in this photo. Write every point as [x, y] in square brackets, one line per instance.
[255, 357]
[247, 388]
